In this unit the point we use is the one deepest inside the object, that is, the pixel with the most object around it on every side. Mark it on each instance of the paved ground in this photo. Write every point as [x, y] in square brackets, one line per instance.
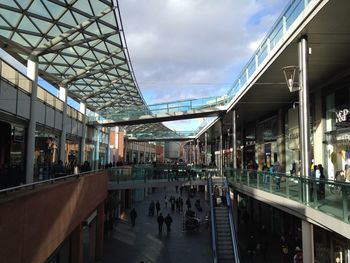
[143, 243]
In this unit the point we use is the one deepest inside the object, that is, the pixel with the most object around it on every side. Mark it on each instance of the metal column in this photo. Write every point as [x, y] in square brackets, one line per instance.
[32, 73]
[108, 150]
[220, 149]
[195, 152]
[97, 149]
[125, 149]
[234, 139]
[205, 148]
[304, 112]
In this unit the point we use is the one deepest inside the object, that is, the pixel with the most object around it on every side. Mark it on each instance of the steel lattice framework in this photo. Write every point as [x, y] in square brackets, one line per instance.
[80, 45]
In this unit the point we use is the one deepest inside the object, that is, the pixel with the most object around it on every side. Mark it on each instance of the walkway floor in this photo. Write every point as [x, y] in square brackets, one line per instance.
[143, 243]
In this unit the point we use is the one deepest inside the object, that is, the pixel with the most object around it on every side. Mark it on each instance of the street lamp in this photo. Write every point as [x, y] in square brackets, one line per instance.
[289, 75]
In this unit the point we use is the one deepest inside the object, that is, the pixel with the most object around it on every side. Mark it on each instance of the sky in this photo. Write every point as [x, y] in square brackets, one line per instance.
[182, 49]
[193, 48]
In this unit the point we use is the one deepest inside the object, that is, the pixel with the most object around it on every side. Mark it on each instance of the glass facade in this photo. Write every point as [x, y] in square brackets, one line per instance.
[337, 135]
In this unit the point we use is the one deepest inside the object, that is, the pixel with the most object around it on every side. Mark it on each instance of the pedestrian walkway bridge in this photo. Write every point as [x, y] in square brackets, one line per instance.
[134, 177]
[169, 111]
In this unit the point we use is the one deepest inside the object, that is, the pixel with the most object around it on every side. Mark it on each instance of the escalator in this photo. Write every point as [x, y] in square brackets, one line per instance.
[224, 240]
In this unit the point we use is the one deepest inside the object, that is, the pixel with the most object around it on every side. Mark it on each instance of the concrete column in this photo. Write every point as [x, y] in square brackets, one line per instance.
[304, 113]
[308, 241]
[77, 245]
[32, 73]
[108, 150]
[97, 148]
[82, 109]
[63, 96]
[234, 139]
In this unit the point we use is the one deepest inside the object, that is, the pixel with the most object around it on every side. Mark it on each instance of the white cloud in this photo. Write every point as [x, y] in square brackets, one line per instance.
[193, 48]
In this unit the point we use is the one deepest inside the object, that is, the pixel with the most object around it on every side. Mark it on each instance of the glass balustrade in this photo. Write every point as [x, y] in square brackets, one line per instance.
[332, 198]
[162, 173]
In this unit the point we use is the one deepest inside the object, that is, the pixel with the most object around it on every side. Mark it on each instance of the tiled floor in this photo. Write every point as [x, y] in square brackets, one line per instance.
[143, 243]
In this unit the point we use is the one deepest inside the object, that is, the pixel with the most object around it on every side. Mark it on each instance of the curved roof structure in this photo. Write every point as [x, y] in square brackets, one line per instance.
[80, 45]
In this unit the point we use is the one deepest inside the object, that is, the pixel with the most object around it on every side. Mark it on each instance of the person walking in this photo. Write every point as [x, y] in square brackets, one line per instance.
[168, 220]
[151, 208]
[158, 207]
[188, 203]
[166, 201]
[133, 216]
[160, 220]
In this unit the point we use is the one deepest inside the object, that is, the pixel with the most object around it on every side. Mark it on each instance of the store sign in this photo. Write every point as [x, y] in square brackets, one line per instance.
[342, 118]
[342, 138]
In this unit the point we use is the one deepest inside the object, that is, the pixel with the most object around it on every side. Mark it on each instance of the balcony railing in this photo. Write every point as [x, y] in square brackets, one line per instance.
[329, 197]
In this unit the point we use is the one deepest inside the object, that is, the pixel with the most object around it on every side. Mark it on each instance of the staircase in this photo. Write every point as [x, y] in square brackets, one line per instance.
[223, 234]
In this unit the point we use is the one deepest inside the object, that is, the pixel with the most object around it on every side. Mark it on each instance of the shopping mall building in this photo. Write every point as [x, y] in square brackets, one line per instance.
[68, 93]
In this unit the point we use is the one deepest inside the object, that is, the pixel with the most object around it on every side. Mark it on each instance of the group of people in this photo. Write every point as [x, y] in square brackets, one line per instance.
[175, 203]
[167, 220]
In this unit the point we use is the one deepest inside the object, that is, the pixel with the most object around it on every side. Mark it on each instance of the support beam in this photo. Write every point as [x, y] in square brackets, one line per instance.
[205, 148]
[32, 73]
[304, 112]
[220, 148]
[78, 28]
[97, 148]
[308, 241]
[43, 50]
[107, 87]
[82, 109]
[63, 96]
[234, 139]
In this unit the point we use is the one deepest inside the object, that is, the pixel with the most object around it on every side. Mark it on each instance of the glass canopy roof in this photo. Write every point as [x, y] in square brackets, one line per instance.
[80, 45]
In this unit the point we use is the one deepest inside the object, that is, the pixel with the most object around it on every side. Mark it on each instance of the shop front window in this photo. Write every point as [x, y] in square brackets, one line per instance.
[46, 154]
[338, 133]
[12, 155]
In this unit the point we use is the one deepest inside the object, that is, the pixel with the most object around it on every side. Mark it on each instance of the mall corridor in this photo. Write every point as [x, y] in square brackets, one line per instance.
[143, 243]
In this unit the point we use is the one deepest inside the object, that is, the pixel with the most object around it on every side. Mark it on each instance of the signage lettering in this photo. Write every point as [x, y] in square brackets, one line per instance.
[342, 115]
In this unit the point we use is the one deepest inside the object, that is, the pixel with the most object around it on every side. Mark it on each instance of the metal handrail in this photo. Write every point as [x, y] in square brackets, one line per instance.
[232, 225]
[212, 219]
[45, 182]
